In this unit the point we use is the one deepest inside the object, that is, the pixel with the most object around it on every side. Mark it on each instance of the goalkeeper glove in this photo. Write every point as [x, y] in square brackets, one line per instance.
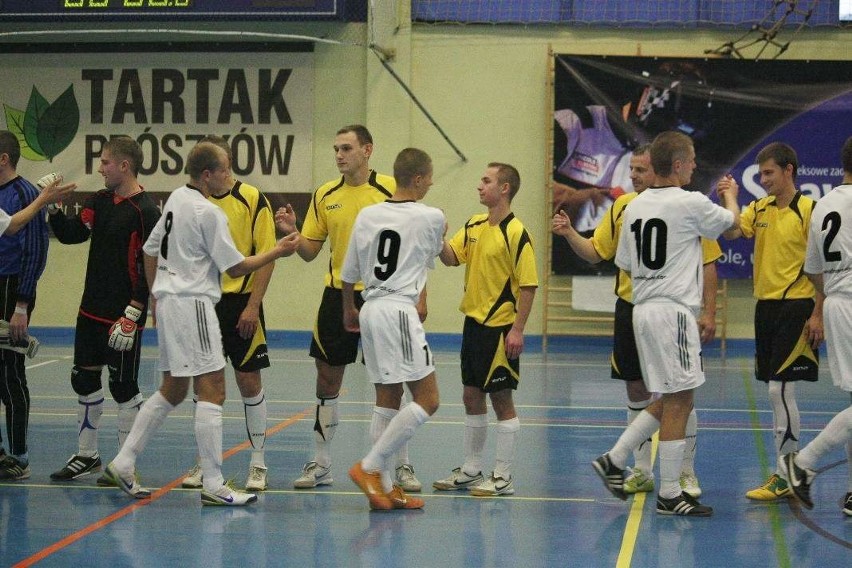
[123, 331]
[46, 181]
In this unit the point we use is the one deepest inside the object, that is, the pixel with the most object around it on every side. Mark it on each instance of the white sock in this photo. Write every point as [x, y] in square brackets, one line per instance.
[507, 435]
[400, 429]
[402, 457]
[208, 437]
[642, 454]
[90, 407]
[255, 410]
[149, 419]
[378, 424]
[835, 433]
[785, 417]
[327, 418]
[691, 443]
[642, 428]
[475, 435]
[671, 459]
[127, 412]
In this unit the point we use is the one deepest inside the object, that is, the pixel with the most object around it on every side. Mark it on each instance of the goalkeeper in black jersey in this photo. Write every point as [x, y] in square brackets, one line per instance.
[114, 306]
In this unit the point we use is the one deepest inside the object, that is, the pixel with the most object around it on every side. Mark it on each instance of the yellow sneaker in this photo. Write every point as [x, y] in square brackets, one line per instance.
[774, 488]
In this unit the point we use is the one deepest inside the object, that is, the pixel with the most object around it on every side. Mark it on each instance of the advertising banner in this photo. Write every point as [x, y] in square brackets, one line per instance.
[66, 103]
[604, 107]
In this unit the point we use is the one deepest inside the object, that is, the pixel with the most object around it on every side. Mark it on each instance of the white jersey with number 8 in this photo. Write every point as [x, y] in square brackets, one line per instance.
[193, 246]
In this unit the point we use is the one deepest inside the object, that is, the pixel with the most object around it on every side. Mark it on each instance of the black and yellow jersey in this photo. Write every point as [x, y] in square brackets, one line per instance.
[500, 260]
[780, 242]
[605, 241]
[332, 212]
[251, 225]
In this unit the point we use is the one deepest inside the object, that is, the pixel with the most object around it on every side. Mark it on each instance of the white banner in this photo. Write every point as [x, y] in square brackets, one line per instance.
[64, 107]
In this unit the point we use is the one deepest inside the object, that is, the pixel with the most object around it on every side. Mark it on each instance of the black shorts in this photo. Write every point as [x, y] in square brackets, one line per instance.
[331, 342]
[91, 349]
[246, 355]
[782, 352]
[483, 358]
[624, 362]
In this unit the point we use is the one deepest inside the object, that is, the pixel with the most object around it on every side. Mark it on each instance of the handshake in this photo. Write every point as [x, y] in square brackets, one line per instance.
[53, 191]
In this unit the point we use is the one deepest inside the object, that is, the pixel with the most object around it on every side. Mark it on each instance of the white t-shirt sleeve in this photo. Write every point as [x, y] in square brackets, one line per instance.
[217, 238]
[713, 220]
[5, 221]
[813, 255]
[623, 250]
[152, 244]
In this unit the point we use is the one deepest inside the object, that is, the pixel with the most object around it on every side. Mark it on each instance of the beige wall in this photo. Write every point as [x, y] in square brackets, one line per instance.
[488, 88]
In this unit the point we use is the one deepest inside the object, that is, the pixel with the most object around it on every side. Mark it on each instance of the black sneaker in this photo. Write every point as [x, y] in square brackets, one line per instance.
[799, 480]
[612, 476]
[847, 505]
[683, 505]
[13, 469]
[77, 466]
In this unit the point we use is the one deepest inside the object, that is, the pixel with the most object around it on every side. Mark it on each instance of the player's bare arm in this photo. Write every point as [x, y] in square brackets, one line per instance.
[814, 328]
[727, 189]
[448, 255]
[350, 312]
[707, 318]
[515, 337]
[285, 220]
[582, 247]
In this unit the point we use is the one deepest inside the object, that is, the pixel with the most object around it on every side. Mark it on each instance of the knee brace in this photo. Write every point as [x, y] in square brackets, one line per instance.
[85, 381]
[121, 391]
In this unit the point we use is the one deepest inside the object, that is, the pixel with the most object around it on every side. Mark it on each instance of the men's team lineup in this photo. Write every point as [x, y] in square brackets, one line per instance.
[200, 266]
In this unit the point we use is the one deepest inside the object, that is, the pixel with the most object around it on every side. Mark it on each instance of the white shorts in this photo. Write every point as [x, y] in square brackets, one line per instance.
[669, 346]
[394, 342]
[837, 318]
[189, 336]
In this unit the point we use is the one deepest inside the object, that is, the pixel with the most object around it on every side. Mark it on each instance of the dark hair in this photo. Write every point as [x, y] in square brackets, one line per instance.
[9, 145]
[204, 156]
[507, 174]
[361, 132]
[846, 156]
[782, 154]
[667, 148]
[409, 163]
[126, 148]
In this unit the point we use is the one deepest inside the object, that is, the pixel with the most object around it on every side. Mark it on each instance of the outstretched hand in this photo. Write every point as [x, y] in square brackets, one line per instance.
[561, 224]
[727, 185]
[289, 244]
[285, 219]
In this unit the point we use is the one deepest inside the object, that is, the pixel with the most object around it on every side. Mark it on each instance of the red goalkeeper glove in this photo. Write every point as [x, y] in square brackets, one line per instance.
[123, 331]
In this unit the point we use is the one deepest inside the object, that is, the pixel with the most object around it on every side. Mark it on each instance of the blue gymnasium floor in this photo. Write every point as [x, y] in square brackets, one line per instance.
[560, 515]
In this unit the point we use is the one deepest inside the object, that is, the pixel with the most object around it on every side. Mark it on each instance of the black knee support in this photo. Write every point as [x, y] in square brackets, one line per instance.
[85, 381]
[121, 390]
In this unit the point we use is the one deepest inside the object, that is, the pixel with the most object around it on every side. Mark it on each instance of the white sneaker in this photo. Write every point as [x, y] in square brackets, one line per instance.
[406, 479]
[689, 485]
[256, 480]
[129, 485]
[227, 496]
[493, 486]
[194, 478]
[313, 474]
[458, 480]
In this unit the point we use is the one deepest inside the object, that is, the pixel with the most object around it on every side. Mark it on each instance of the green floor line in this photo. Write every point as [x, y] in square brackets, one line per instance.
[779, 538]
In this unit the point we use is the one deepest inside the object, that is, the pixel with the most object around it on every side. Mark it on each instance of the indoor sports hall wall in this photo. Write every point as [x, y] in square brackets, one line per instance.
[486, 86]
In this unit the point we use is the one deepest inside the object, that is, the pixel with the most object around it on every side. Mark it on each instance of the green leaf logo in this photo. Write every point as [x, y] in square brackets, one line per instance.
[45, 129]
